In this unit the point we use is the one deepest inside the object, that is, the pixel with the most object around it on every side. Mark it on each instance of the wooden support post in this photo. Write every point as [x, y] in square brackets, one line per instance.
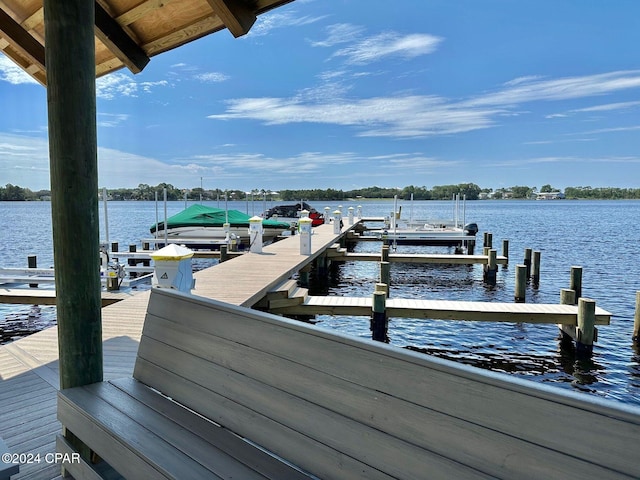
[385, 273]
[471, 246]
[491, 268]
[489, 240]
[535, 268]
[382, 287]
[527, 260]
[32, 262]
[385, 253]
[71, 98]
[575, 283]
[147, 261]
[521, 283]
[322, 268]
[114, 247]
[586, 333]
[636, 320]
[132, 262]
[505, 250]
[303, 275]
[379, 323]
[567, 332]
[223, 253]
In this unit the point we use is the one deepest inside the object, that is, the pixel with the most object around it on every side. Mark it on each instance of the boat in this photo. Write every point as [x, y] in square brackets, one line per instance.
[400, 231]
[291, 213]
[207, 224]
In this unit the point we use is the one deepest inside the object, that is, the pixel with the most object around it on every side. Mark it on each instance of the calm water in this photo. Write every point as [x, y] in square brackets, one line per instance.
[602, 237]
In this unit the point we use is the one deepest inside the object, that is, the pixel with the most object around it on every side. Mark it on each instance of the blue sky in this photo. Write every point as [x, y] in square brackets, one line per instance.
[346, 94]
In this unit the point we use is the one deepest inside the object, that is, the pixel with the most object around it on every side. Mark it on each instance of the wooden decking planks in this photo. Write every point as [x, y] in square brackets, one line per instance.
[245, 280]
[29, 381]
[446, 310]
[443, 259]
[35, 296]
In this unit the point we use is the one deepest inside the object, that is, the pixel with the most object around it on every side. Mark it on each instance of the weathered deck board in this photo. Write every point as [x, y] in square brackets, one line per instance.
[445, 310]
[439, 258]
[29, 366]
[29, 381]
[35, 296]
[246, 279]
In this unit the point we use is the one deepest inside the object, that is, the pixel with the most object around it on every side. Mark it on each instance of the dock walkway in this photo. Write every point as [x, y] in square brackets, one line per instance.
[29, 373]
[440, 310]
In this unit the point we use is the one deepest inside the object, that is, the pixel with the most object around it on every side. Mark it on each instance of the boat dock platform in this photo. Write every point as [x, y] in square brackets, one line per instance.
[29, 366]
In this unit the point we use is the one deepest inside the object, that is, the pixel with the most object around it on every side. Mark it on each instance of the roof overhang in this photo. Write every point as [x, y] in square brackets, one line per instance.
[127, 32]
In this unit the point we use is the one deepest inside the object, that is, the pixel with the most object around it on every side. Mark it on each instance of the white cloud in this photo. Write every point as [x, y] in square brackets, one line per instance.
[123, 85]
[212, 77]
[12, 73]
[339, 33]
[378, 47]
[110, 120]
[560, 89]
[278, 19]
[608, 107]
[405, 115]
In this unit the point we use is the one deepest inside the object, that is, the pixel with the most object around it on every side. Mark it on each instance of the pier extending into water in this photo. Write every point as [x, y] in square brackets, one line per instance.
[29, 366]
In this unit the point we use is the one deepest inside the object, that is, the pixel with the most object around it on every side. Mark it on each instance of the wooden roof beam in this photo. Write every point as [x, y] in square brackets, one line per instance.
[21, 39]
[118, 41]
[235, 14]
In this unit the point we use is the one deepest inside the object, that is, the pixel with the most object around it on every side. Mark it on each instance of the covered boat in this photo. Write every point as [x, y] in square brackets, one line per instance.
[291, 213]
[199, 222]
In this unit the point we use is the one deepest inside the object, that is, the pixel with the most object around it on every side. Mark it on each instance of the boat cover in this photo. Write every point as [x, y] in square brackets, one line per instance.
[202, 216]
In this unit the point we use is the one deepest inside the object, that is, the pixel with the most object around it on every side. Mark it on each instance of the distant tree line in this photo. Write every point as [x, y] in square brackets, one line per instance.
[14, 193]
[439, 192]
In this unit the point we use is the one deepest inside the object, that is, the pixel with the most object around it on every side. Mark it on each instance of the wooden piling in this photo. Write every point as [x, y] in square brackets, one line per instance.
[586, 333]
[575, 283]
[385, 273]
[384, 255]
[489, 240]
[224, 256]
[32, 262]
[114, 247]
[379, 323]
[636, 320]
[567, 332]
[535, 268]
[471, 246]
[71, 98]
[521, 283]
[527, 260]
[132, 262]
[491, 268]
[505, 249]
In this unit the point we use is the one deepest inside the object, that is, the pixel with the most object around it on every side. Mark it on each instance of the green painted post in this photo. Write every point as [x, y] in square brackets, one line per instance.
[71, 98]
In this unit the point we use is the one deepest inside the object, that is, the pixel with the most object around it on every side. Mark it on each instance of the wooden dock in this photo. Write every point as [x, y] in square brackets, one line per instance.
[29, 375]
[39, 296]
[29, 366]
[435, 309]
[249, 277]
[443, 259]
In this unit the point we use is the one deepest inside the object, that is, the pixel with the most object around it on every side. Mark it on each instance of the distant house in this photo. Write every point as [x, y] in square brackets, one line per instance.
[550, 196]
